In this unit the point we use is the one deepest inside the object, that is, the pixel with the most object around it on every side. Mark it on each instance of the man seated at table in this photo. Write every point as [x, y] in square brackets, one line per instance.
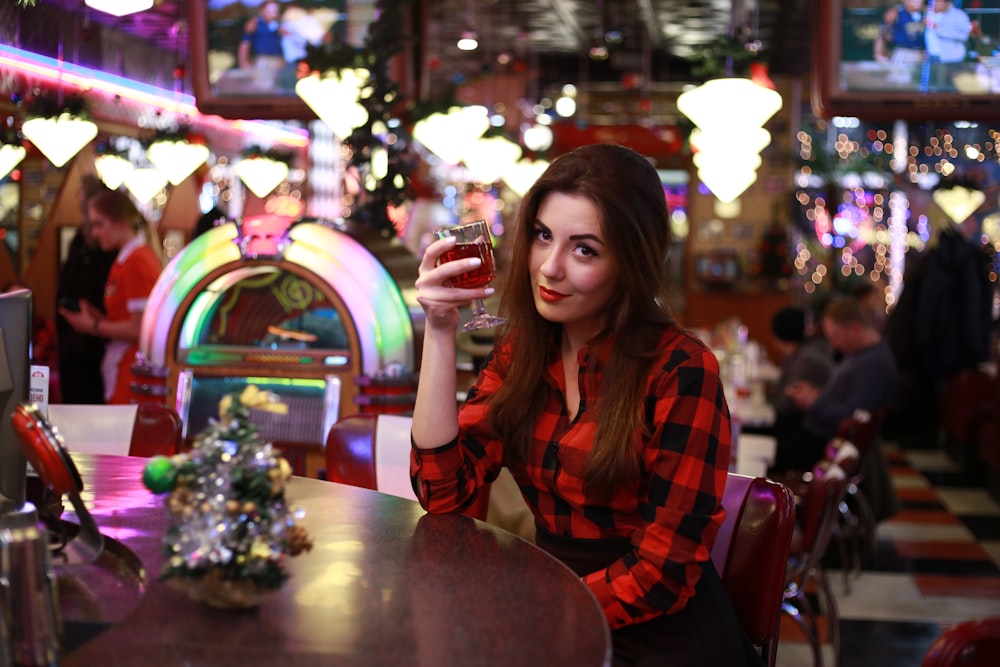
[863, 379]
[804, 358]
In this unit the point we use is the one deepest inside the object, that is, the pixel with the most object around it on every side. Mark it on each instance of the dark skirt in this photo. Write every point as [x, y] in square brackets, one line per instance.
[705, 633]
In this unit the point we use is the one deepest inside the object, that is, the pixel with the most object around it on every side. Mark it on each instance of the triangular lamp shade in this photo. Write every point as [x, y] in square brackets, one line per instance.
[262, 175]
[145, 183]
[488, 159]
[120, 7]
[112, 170]
[334, 99]
[520, 176]
[10, 157]
[958, 202]
[177, 159]
[59, 138]
[449, 135]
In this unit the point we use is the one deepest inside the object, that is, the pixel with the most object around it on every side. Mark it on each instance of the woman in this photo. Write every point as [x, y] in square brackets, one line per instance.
[117, 225]
[609, 416]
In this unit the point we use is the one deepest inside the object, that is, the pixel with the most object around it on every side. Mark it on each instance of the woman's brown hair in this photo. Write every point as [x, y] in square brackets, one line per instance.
[117, 206]
[629, 195]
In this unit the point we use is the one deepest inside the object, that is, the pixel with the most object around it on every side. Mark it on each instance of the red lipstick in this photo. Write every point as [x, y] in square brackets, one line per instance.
[550, 295]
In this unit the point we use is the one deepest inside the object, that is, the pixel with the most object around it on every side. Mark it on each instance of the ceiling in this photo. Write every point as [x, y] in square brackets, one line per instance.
[657, 37]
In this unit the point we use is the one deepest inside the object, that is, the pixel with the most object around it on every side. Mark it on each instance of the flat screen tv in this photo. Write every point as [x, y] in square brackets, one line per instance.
[15, 362]
[245, 54]
[911, 68]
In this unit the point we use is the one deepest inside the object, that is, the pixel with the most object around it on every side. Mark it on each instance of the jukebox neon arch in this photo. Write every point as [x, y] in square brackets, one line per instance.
[299, 306]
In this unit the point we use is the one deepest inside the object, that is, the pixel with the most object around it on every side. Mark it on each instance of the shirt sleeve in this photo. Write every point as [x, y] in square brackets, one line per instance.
[139, 275]
[687, 460]
[447, 478]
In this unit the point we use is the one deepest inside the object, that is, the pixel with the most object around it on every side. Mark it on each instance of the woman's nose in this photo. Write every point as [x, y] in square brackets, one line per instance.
[551, 266]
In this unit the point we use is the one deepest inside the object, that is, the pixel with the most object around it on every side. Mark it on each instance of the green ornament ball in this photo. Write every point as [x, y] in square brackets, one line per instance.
[159, 475]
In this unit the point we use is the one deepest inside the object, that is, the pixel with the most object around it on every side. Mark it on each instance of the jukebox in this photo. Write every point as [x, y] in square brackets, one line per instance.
[309, 310]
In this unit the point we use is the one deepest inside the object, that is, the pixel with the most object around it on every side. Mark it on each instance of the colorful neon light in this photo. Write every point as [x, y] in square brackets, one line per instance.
[372, 297]
[87, 80]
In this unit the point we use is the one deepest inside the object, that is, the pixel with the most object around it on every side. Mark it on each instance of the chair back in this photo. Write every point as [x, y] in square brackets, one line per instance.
[372, 451]
[158, 430]
[751, 551]
[969, 644]
[818, 510]
[862, 428]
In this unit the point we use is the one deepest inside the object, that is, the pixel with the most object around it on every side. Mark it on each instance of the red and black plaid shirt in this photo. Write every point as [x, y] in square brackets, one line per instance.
[671, 516]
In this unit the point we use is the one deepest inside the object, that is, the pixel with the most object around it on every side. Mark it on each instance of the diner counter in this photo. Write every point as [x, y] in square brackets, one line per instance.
[385, 584]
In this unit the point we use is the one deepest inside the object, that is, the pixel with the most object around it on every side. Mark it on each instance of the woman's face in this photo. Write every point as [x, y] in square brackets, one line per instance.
[109, 234]
[573, 273]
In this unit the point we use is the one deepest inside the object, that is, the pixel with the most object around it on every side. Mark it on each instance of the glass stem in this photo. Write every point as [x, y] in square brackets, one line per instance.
[478, 307]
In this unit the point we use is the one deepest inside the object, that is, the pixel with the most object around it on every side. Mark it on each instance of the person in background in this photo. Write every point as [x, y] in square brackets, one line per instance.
[610, 417]
[941, 325]
[901, 37]
[260, 45]
[118, 226]
[804, 358]
[212, 217]
[81, 278]
[947, 35]
[863, 379]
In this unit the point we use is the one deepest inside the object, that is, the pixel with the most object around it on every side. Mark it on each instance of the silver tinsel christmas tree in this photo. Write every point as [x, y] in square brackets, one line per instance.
[231, 526]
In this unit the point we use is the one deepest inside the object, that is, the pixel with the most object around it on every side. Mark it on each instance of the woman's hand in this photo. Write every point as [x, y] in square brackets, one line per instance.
[84, 320]
[440, 301]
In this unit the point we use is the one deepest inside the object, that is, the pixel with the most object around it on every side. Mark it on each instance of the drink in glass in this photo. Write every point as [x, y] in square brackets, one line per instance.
[472, 240]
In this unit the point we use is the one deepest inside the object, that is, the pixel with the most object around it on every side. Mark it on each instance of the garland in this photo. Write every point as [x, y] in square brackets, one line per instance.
[51, 105]
[385, 38]
[726, 56]
[255, 151]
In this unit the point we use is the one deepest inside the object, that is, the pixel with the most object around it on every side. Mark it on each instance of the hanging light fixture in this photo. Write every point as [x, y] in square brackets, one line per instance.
[112, 169]
[261, 174]
[958, 201]
[449, 135]
[60, 137]
[489, 158]
[10, 157]
[145, 183]
[521, 175]
[335, 98]
[120, 7]
[729, 113]
[177, 158]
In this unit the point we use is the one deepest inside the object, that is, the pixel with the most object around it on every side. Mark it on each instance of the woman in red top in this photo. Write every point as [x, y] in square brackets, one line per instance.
[117, 225]
[610, 417]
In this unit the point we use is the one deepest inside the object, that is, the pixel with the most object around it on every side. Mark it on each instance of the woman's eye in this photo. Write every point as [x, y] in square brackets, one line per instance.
[586, 251]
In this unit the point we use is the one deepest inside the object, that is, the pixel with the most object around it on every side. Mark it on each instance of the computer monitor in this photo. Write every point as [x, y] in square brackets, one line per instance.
[15, 364]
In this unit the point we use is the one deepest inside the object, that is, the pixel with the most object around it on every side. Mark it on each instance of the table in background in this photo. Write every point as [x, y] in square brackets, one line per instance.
[385, 584]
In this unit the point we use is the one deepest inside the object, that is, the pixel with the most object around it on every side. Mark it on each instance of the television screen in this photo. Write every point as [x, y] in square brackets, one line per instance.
[911, 59]
[15, 362]
[246, 53]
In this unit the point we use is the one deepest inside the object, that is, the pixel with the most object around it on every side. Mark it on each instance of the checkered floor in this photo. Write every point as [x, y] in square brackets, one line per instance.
[938, 565]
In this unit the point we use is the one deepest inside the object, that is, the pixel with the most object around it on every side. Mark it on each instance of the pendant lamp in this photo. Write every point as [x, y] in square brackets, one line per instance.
[61, 137]
[177, 159]
[120, 7]
[10, 157]
[489, 158]
[521, 175]
[729, 113]
[261, 174]
[145, 183]
[958, 202]
[449, 135]
[113, 169]
[335, 99]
